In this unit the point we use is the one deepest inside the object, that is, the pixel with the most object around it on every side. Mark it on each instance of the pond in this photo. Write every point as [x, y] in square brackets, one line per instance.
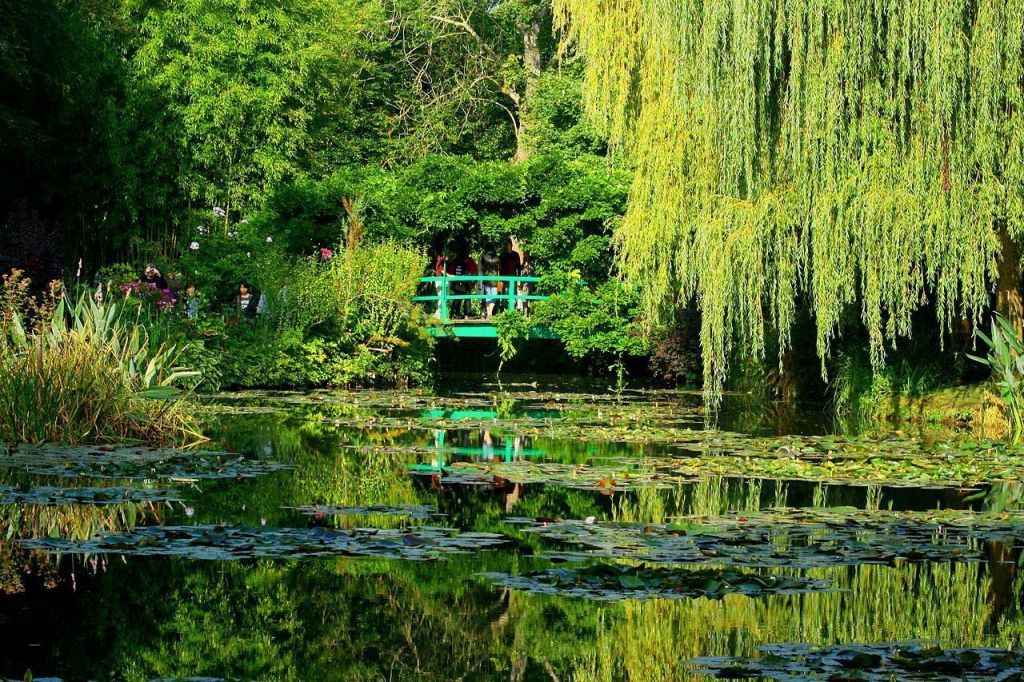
[527, 530]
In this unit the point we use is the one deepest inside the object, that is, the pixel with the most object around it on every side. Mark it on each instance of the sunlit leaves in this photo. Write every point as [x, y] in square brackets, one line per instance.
[853, 154]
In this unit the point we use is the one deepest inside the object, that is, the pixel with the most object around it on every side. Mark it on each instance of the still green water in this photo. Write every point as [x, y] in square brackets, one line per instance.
[127, 616]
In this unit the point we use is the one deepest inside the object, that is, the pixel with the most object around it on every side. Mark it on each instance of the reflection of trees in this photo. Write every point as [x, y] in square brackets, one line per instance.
[71, 521]
[344, 620]
[945, 602]
[368, 620]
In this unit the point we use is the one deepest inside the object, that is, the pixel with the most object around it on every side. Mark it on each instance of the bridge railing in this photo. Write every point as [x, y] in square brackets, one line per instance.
[445, 296]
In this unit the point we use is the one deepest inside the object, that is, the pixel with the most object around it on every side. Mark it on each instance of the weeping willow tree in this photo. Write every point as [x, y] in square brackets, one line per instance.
[833, 152]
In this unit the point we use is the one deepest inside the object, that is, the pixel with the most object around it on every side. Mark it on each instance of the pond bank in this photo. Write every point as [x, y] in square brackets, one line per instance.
[973, 408]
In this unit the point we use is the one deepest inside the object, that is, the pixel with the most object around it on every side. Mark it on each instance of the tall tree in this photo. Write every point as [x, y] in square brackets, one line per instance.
[847, 152]
[246, 85]
[471, 57]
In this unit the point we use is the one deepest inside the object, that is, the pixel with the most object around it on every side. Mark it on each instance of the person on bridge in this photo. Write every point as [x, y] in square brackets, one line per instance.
[510, 261]
[462, 265]
[440, 268]
[524, 288]
[491, 266]
[509, 265]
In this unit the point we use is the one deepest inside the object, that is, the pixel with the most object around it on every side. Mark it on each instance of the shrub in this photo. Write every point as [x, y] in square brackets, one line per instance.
[1006, 360]
[89, 374]
[598, 323]
[373, 288]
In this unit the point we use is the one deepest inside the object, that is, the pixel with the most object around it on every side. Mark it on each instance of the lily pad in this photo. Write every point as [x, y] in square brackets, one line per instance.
[580, 476]
[786, 537]
[238, 542]
[133, 463]
[874, 662]
[611, 582]
[408, 510]
[51, 495]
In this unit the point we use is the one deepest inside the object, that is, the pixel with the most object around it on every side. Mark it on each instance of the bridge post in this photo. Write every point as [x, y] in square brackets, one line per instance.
[511, 293]
[442, 303]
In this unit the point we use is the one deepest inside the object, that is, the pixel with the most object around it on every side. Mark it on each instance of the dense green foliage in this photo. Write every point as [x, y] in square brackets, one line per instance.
[1006, 360]
[794, 152]
[234, 143]
[338, 321]
[559, 207]
[125, 121]
[86, 372]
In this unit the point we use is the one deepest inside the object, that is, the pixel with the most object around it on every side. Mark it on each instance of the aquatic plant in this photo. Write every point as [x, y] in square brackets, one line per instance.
[612, 582]
[237, 542]
[784, 537]
[1006, 360]
[897, 660]
[87, 372]
[133, 463]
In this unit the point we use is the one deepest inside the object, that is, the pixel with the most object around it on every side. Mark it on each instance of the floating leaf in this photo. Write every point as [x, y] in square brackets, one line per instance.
[236, 542]
[610, 582]
[874, 662]
[131, 462]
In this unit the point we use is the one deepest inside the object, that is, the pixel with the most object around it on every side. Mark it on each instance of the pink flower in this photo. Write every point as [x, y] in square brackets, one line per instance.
[326, 253]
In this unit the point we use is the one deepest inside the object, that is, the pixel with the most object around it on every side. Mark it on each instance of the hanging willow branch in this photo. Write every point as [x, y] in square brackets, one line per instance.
[847, 151]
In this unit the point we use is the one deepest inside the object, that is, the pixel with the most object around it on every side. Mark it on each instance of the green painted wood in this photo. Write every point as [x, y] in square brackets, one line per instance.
[476, 328]
[481, 331]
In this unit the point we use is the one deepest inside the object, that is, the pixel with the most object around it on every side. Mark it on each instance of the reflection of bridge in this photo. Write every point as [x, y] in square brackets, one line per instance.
[508, 451]
[476, 327]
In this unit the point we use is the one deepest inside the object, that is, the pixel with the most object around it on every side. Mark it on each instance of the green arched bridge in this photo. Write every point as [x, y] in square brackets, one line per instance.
[459, 314]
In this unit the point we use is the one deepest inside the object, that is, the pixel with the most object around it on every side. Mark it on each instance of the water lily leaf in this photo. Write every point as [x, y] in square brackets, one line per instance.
[238, 542]
[127, 462]
[874, 662]
[612, 582]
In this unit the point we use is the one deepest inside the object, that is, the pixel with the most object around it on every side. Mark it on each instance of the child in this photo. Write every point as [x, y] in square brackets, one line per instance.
[191, 301]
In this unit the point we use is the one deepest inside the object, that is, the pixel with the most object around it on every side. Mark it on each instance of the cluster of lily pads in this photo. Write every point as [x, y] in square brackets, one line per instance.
[785, 537]
[947, 467]
[52, 495]
[869, 662]
[607, 478]
[613, 582]
[216, 542]
[409, 510]
[132, 463]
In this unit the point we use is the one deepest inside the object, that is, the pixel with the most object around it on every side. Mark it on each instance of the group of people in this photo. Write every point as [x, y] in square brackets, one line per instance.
[509, 263]
[248, 302]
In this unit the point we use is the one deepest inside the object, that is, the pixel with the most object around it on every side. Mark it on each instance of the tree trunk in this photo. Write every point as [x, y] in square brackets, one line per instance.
[533, 61]
[1009, 302]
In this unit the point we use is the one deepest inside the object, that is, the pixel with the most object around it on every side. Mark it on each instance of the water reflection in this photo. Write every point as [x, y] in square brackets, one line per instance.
[371, 619]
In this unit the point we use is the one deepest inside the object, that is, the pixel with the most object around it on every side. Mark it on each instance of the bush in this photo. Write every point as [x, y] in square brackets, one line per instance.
[1006, 360]
[597, 323]
[88, 374]
[343, 320]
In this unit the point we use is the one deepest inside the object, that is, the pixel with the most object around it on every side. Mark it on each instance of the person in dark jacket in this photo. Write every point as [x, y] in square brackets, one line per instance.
[152, 276]
[250, 303]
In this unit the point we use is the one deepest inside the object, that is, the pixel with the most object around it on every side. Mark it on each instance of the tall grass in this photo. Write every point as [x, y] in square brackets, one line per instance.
[87, 373]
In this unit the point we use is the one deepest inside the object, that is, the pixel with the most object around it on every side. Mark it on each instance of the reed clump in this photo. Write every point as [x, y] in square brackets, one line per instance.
[85, 372]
